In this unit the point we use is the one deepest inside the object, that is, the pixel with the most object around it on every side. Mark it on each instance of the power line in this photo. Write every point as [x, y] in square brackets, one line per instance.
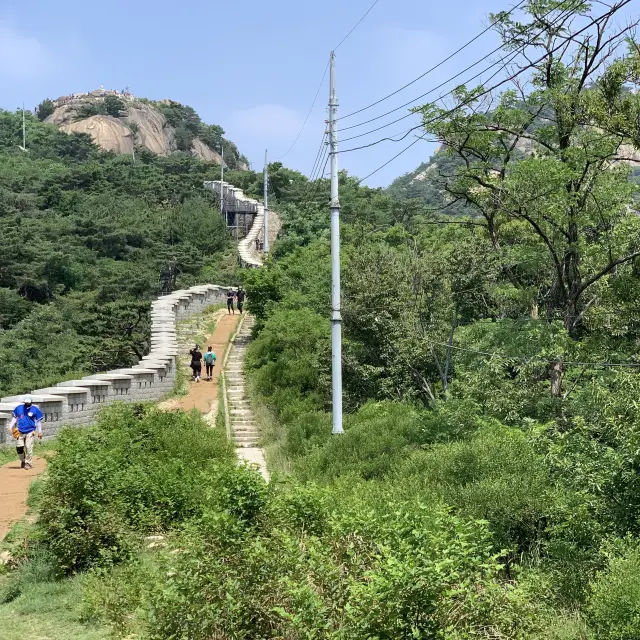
[318, 181]
[322, 164]
[502, 15]
[304, 124]
[409, 115]
[356, 25]
[392, 159]
[481, 94]
[525, 360]
[324, 75]
[404, 134]
[442, 84]
[318, 155]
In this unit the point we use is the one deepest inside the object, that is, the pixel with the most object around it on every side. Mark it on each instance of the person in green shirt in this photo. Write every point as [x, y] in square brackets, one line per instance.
[209, 361]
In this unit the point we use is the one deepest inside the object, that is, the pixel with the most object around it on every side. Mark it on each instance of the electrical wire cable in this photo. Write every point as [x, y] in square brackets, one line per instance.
[441, 63]
[404, 134]
[356, 25]
[304, 124]
[442, 84]
[324, 75]
[318, 181]
[318, 155]
[523, 359]
[314, 180]
[476, 96]
[513, 358]
[409, 115]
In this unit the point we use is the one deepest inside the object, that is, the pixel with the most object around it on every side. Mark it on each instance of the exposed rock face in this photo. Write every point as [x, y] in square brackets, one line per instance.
[107, 132]
[150, 129]
[200, 149]
[153, 131]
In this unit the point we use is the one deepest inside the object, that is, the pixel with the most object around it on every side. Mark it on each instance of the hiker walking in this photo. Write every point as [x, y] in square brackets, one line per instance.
[26, 422]
[230, 296]
[240, 296]
[210, 360]
[196, 363]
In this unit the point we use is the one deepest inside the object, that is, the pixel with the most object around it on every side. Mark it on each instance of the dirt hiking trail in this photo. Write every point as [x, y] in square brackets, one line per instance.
[14, 487]
[203, 396]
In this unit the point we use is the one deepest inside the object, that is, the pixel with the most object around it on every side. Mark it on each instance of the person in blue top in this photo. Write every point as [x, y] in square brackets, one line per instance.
[210, 360]
[26, 422]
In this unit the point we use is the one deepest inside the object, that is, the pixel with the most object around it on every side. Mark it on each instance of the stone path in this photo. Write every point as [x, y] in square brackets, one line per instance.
[244, 429]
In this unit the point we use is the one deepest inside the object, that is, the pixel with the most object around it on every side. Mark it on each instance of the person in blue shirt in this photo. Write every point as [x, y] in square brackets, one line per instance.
[210, 360]
[26, 422]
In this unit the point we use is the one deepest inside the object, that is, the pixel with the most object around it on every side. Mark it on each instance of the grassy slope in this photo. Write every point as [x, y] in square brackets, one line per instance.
[48, 610]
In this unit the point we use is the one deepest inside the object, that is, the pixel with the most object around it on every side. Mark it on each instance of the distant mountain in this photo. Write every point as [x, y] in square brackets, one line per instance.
[427, 182]
[122, 123]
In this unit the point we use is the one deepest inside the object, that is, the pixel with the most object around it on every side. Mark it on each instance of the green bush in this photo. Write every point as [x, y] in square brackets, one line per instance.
[45, 109]
[117, 595]
[375, 438]
[496, 475]
[614, 605]
[41, 567]
[325, 563]
[138, 470]
[114, 106]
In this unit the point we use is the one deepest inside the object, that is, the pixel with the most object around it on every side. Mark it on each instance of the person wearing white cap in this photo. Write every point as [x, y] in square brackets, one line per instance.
[27, 420]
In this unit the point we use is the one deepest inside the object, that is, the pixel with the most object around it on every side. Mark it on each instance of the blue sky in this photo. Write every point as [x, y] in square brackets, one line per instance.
[250, 66]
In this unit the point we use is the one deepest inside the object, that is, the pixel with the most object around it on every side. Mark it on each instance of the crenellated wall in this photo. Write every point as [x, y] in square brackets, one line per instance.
[75, 402]
[235, 199]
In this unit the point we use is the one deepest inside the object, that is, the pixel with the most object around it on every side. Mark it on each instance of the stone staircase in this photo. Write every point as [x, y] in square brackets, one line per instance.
[244, 429]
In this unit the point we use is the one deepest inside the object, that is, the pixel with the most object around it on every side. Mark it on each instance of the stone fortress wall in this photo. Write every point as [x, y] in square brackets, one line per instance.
[75, 402]
[236, 200]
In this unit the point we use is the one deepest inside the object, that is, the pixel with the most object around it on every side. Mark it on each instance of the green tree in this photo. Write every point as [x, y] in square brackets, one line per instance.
[114, 106]
[542, 167]
[45, 109]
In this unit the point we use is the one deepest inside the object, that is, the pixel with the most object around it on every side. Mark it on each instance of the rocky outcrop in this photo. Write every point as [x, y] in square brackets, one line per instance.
[141, 126]
[153, 132]
[200, 149]
[109, 133]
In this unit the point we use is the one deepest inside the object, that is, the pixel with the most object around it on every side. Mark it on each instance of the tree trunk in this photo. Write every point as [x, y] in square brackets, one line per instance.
[571, 317]
[557, 376]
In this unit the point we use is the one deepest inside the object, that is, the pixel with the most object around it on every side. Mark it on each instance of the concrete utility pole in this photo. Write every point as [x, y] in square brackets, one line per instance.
[222, 184]
[24, 131]
[266, 205]
[336, 319]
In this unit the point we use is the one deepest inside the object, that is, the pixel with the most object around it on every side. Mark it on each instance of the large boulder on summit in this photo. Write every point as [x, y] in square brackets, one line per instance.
[107, 132]
[153, 132]
[120, 122]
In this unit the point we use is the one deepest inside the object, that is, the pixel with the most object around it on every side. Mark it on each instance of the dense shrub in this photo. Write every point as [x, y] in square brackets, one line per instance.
[349, 568]
[375, 439]
[614, 606]
[496, 475]
[137, 470]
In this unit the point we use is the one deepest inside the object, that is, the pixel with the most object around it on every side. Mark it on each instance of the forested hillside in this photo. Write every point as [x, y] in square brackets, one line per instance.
[428, 184]
[491, 372]
[87, 239]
